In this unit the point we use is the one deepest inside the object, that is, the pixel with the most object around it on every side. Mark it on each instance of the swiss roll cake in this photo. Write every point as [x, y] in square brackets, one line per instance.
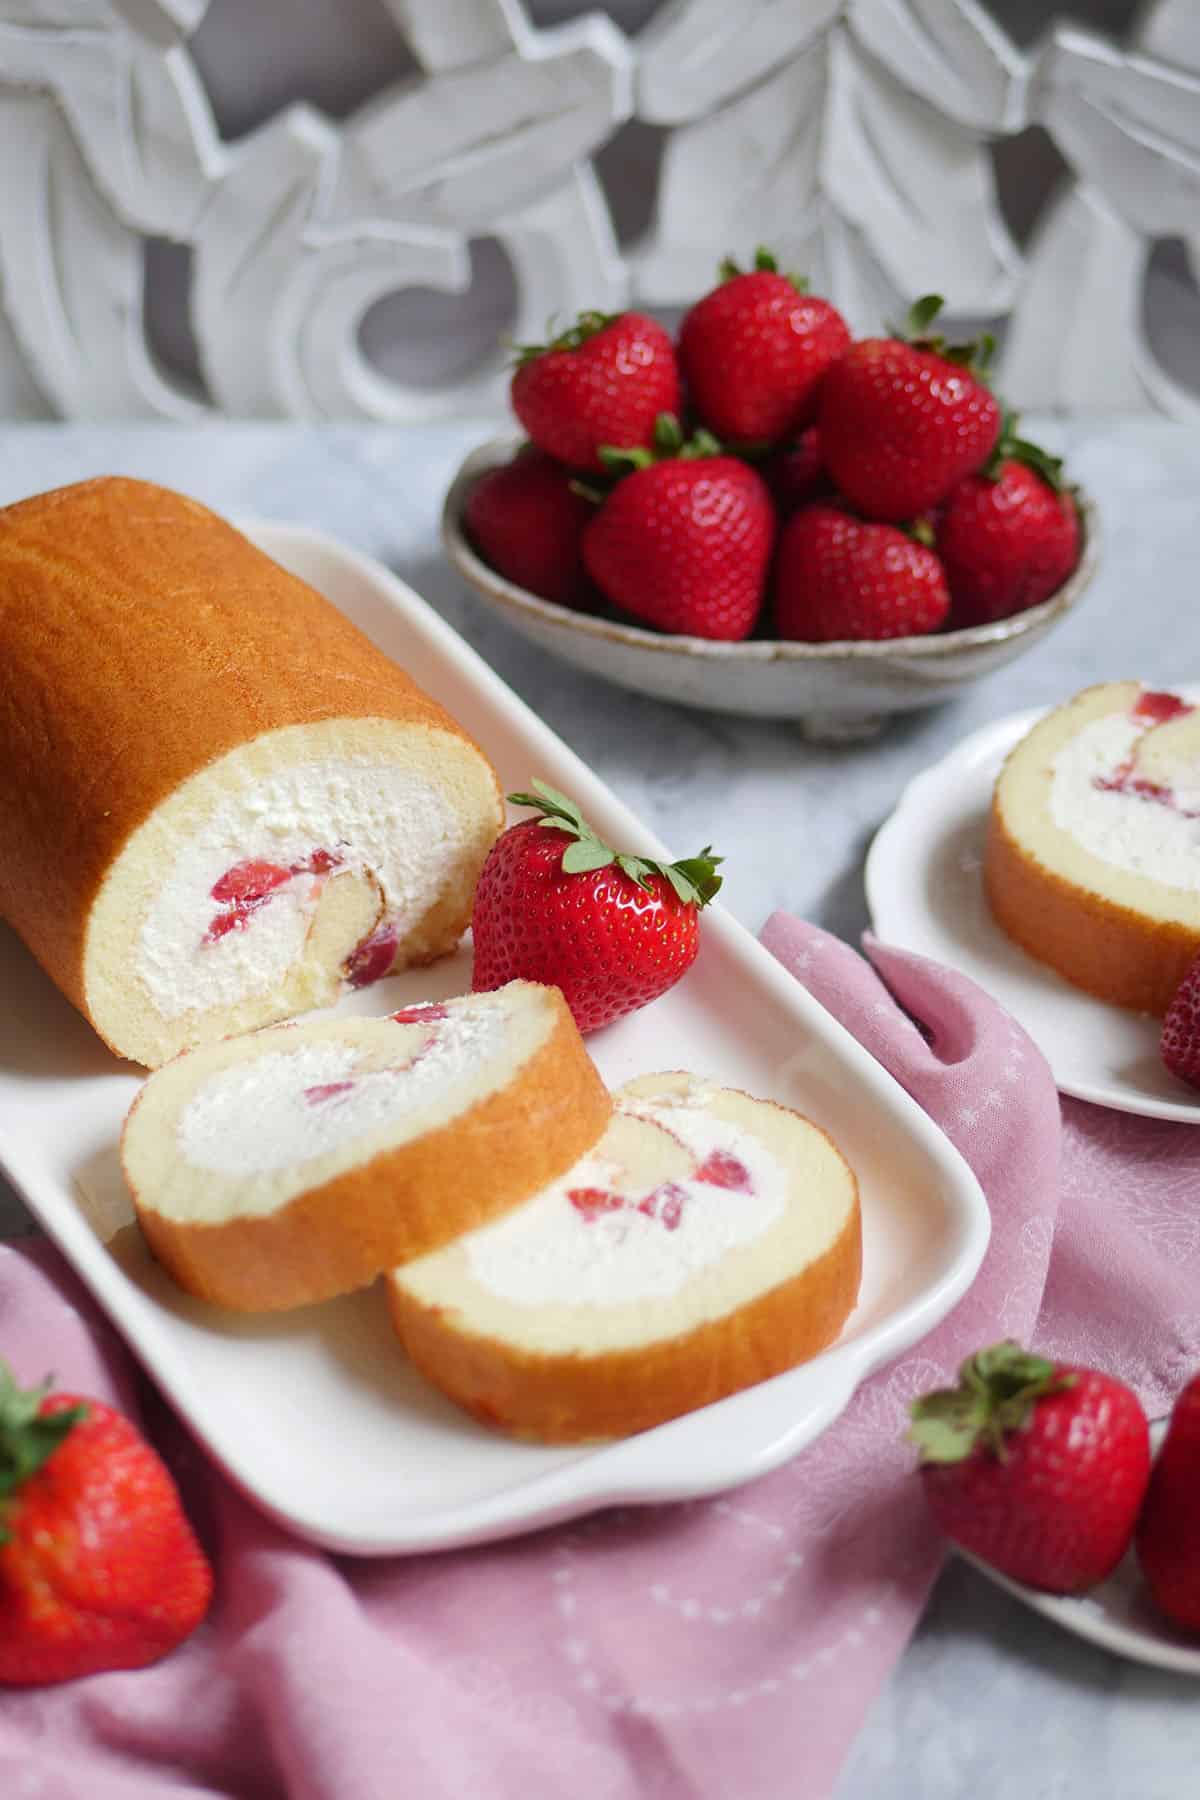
[300, 1161]
[220, 803]
[1092, 858]
[708, 1241]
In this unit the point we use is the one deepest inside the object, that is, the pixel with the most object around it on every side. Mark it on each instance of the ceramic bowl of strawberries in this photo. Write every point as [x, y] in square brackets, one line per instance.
[766, 516]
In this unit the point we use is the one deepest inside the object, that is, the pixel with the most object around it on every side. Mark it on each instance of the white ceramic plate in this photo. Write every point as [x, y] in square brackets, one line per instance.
[925, 893]
[316, 1414]
[1118, 1615]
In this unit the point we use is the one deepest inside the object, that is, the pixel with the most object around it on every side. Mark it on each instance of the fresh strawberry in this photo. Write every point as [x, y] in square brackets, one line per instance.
[795, 474]
[684, 541]
[1009, 536]
[526, 519]
[1168, 1531]
[903, 421]
[1037, 1468]
[555, 904]
[604, 381]
[753, 352]
[838, 578]
[1179, 1042]
[98, 1565]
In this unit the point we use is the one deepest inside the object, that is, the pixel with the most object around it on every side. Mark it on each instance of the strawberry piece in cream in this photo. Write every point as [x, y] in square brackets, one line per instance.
[1160, 706]
[373, 958]
[248, 885]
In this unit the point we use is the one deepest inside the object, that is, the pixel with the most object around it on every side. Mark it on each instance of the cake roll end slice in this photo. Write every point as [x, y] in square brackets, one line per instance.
[708, 1241]
[311, 858]
[298, 1162]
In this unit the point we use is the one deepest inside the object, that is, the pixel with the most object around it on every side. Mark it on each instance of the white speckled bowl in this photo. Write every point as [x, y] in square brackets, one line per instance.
[843, 690]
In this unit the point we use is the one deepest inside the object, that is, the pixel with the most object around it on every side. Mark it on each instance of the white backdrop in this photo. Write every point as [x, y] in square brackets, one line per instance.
[332, 208]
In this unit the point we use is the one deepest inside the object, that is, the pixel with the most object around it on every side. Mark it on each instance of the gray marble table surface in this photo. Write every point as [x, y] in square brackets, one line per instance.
[988, 1700]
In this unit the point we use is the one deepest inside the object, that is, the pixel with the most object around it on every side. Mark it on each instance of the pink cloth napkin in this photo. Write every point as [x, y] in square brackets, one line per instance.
[729, 1646]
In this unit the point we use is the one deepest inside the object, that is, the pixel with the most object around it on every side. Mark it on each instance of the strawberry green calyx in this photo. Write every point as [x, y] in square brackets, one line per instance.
[765, 263]
[586, 326]
[921, 531]
[975, 355]
[694, 878]
[996, 1393]
[669, 443]
[1011, 447]
[27, 1439]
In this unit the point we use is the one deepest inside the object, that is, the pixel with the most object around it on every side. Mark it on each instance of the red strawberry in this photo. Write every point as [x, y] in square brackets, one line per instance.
[795, 473]
[555, 904]
[1009, 536]
[98, 1565]
[683, 543]
[1179, 1042]
[1168, 1531]
[902, 422]
[604, 381]
[753, 352]
[527, 521]
[1037, 1468]
[837, 578]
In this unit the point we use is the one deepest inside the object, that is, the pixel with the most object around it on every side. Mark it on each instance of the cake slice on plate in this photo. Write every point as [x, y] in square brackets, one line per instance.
[708, 1241]
[1092, 860]
[299, 1162]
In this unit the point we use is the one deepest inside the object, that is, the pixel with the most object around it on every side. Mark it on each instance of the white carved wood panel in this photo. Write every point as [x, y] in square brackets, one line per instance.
[853, 135]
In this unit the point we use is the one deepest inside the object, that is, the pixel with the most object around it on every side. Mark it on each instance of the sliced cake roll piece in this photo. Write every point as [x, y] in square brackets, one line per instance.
[1092, 861]
[708, 1241]
[300, 1161]
[219, 802]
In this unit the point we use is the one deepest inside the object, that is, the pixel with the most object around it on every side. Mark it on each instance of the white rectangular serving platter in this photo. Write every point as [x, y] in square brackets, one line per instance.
[316, 1415]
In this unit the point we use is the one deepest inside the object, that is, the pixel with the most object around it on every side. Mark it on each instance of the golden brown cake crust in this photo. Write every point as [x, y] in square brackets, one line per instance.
[142, 637]
[1093, 942]
[574, 1399]
[403, 1203]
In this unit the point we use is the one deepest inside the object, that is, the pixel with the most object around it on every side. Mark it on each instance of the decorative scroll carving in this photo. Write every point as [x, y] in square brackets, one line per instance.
[853, 135]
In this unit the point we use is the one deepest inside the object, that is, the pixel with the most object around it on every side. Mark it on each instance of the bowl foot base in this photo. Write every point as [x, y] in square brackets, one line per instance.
[841, 728]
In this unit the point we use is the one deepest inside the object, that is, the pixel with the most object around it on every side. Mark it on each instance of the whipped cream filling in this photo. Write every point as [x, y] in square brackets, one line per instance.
[1130, 831]
[550, 1253]
[369, 815]
[279, 1110]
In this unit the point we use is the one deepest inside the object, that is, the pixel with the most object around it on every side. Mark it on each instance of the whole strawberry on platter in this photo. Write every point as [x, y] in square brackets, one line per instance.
[605, 380]
[556, 904]
[1168, 1530]
[1179, 1036]
[99, 1567]
[1037, 1468]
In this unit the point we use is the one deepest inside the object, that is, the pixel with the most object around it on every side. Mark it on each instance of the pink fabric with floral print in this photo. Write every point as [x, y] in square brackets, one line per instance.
[727, 1646]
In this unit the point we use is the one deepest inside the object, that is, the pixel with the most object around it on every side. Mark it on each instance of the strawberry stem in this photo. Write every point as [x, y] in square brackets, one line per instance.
[588, 490]
[975, 355]
[669, 444]
[921, 315]
[694, 878]
[1010, 447]
[765, 263]
[27, 1439]
[586, 326]
[996, 1393]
